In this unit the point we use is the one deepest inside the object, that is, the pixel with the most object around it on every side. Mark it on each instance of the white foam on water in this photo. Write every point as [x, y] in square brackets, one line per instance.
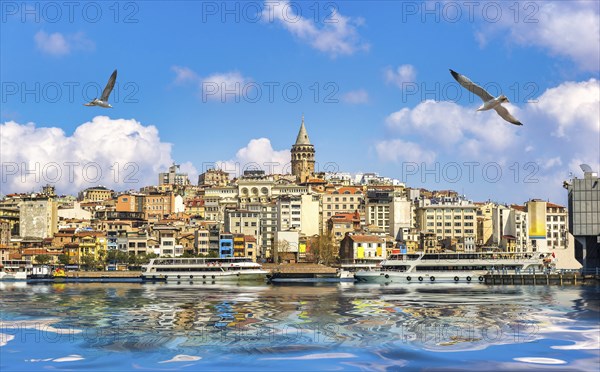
[69, 358]
[315, 356]
[538, 360]
[182, 358]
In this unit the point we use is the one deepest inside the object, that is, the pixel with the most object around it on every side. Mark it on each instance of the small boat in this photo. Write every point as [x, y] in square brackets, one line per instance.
[40, 272]
[203, 269]
[59, 273]
[346, 271]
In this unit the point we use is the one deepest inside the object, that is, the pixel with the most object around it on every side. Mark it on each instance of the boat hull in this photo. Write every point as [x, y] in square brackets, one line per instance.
[13, 276]
[229, 276]
[419, 277]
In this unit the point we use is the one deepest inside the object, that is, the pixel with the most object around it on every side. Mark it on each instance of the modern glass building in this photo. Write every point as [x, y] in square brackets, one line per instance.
[584, 217]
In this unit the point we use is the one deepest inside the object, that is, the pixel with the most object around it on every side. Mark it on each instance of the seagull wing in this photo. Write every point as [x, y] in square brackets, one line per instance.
[504, 114]
[471, 86]
[109, 86]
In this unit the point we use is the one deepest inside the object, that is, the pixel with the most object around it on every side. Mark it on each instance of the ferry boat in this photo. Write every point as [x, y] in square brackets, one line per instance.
[15, 269]
[203, 269]
[452, 267]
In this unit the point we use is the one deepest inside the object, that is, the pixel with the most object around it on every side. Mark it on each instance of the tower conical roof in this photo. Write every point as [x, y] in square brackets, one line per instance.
[302, 138]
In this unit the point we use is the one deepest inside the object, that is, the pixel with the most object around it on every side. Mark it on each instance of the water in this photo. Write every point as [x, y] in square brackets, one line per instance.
[324, 326]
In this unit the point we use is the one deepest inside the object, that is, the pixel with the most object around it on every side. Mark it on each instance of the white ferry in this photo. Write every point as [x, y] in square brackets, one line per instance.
[203, 269]
[452, 267]
[15, 269]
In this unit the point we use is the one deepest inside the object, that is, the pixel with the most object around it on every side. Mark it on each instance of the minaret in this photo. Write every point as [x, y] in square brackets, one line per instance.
[303, 156]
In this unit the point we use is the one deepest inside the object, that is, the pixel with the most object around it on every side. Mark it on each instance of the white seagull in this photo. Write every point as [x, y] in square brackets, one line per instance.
[489, 102]
[103, 101]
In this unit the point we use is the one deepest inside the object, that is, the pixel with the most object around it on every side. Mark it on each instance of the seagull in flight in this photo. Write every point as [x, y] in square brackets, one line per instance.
[103, 101]
[489, 102]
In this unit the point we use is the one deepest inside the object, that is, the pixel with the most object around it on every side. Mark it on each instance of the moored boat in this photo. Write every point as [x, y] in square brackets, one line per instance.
[203, 269]
[15, 269]
[452, 267]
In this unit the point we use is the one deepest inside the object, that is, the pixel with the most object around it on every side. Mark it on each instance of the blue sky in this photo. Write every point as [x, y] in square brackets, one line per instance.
[386, 101]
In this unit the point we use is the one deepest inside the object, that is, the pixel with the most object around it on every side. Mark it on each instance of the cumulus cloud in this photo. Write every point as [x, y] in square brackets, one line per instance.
[356, 97]
[117, 153]
[58, 44]
[258, 154]
[451, 127]
[561, 130]
[398, 150]
[572, 106]
[337, 36]
[401, 75]
[569, 29]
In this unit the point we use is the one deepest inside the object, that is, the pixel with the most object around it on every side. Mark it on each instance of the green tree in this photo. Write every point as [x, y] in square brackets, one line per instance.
[188, 255]
[64, 259]
[88, 261]
[43, 259]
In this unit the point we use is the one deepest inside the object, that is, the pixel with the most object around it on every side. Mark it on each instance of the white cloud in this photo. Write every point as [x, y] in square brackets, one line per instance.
[356, 97]
[191, 170]
[560, 131]
[220, 86]
[564, 28]
[184, 75]
[258, 154]
[401, 75]
[550, 163]
[117, 153]
[57, 44]
[225, 86]
[571, 105]
[337, 36]
[403, 151]
[452, 127]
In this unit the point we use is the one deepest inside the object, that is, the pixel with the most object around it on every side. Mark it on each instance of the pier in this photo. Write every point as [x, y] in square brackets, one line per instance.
[293, 271]
[555, 278]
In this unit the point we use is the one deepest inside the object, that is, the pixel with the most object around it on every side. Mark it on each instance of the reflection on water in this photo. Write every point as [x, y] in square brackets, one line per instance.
[95, 325]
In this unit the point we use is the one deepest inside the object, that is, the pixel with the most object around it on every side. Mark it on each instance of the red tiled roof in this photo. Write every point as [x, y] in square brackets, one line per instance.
[352, 190]
[90, 233]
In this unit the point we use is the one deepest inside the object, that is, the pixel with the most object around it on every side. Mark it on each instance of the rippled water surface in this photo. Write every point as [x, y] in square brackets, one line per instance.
[298, 327]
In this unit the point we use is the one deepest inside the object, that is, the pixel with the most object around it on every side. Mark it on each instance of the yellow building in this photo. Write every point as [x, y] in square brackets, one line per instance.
[239, 245]
[485, 226]
[91, 243]
[362, 247]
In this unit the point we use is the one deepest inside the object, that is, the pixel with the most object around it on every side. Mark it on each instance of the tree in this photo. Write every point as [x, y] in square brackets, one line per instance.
[64, 259]
[43, 259]
[281, 247]
[187, 254]
[88, 261]
[324, 249]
